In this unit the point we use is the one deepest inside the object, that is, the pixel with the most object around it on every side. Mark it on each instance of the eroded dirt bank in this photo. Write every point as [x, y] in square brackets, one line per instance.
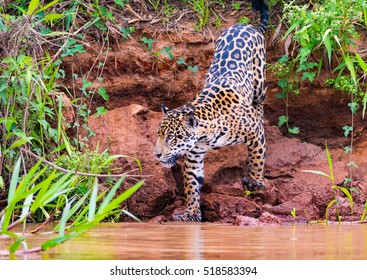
[138, 82]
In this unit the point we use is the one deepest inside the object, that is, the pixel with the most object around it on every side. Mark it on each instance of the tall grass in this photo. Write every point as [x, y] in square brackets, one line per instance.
[334, 187]
[57, 192]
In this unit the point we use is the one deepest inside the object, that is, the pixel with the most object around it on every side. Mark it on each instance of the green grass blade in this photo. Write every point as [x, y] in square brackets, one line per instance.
[327, 43]
[43, 187]
[350, 67]
[32, 6]
[46, 6]
[76, 207]
[327, 210]
[131, 215]
[65, 217]
[364, 102]
[290, 29]
[330, 163]
[93, 201]
[58, 240]
[13, 247]
[347, 193]
[25, 185]
[110, 195]
[361, 63]
[26, 205]
[14, 181]
[363, 217]
[122, 197]
[316, 172]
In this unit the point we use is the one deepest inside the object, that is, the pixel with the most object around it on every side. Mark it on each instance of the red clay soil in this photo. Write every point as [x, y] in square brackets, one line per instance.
[137, 83]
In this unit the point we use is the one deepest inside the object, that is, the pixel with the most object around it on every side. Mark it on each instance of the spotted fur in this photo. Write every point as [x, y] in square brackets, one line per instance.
[227, 111]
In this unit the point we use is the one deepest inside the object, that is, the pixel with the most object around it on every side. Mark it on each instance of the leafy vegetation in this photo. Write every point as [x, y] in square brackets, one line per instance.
[47, 172]
[324, 37]
[44, 173]
[336, 189]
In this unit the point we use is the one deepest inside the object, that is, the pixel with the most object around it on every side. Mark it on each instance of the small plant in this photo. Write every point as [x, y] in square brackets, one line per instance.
[193, 69]
[282, 70]
[334, 187]
[149, 42]
[364, 214]
[28, 195]
[237, 6]
[244, 20]
[294, 214]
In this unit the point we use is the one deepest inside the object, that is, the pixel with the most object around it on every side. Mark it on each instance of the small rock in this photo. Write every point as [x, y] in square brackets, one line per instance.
[245, 221]
[268, 218]
[157, 219]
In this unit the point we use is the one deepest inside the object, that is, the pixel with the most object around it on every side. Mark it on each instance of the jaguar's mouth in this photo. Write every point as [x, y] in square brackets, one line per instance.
[170, 161]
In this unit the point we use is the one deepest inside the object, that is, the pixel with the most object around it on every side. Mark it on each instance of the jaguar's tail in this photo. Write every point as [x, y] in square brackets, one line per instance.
[260, 6]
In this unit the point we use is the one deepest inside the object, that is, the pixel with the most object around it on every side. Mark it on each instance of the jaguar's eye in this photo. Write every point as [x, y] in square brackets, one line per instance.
[169, 138]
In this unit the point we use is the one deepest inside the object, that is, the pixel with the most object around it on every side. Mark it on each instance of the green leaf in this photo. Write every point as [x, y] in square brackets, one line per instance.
[167, 52]
[281, 95]
[50, 17]
[327, 209]
[347, 193]
[283, 83]
[330, 163]
[284, 58]
[120, 3]
[65, 216]
[293, 130]
[327, 43]
[317, 172]
[350, 67]
[282, 120]
[364, 214]
[46, 6]
[290, 29]
[32, 6]
[122, 197]
[193, 69]
[102, 92]
[364, 102]
[347, 129]
[100, 111]
[353, 107]
[13, 247]
[58, 240]
[149, 42]
[361, 63]
[20, 142]
[352, 163]
[348, 149]
[93, 201]
[110, 196]
[180, 61]
[308, 75]
[14, 181]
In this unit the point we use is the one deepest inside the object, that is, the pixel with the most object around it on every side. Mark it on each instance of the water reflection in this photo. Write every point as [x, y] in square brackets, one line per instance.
[209, 241]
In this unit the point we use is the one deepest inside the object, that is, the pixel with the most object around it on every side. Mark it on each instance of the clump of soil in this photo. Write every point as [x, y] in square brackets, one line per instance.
[138, 82]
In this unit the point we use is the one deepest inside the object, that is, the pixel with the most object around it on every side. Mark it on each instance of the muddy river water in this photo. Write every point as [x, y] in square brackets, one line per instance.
[210, 241]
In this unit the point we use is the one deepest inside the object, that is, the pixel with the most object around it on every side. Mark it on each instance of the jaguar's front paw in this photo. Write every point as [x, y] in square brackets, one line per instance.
[253, 184]
[189, 216]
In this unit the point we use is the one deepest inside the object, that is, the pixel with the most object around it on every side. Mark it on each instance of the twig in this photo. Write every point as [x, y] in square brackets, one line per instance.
[80, 173]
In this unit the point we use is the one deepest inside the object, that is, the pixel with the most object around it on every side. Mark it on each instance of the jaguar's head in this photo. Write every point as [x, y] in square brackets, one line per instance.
[176, 134]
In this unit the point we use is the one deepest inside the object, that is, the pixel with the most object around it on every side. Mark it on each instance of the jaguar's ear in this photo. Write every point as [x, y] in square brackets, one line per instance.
[164, 109]
[191, 121]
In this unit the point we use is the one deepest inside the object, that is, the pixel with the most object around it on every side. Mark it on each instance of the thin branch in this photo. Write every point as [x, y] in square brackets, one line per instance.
[80, 173]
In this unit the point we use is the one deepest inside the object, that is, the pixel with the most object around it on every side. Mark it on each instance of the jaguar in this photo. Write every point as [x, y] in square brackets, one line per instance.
[227, 111]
